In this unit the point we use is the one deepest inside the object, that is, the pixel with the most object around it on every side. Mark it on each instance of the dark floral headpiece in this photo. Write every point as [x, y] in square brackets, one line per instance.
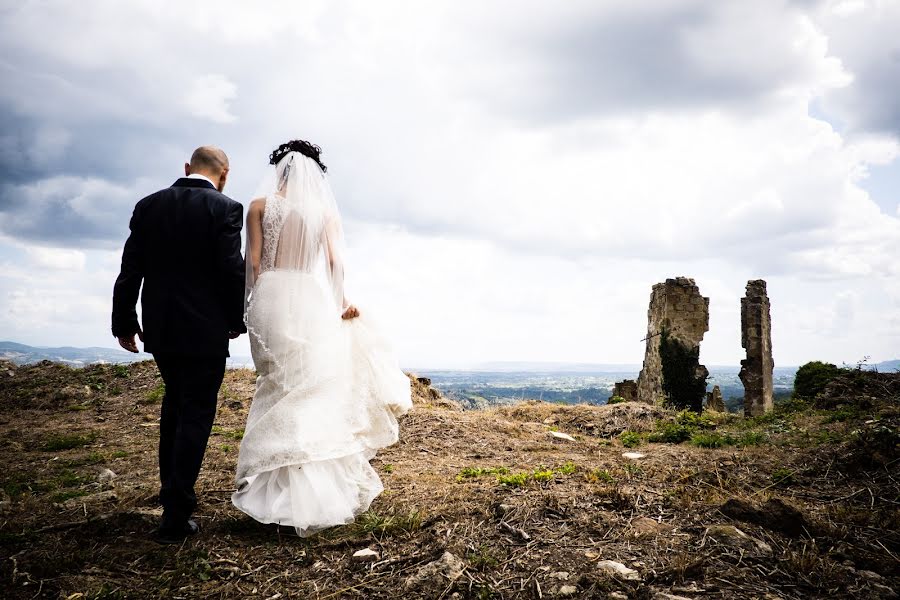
[303, 147]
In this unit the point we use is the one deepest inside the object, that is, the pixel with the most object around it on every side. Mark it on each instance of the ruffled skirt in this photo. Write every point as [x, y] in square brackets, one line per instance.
[328, 394]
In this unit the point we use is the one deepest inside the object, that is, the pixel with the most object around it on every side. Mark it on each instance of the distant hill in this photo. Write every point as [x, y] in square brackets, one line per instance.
[79, 357]
[888, 366]
[22, 354]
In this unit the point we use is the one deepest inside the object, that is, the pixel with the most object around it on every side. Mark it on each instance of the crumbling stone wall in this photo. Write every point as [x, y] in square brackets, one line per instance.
[714, 400]
[678, 308]
[756, 338]
[627, 388]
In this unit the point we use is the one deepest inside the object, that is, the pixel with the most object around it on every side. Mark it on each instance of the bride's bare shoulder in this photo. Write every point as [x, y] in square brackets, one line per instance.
[257, 205]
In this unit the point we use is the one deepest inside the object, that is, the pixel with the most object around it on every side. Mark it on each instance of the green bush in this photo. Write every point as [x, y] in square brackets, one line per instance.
[630, 439]
[616, 400]
[812, 378]
[670, 432]
[710, 440]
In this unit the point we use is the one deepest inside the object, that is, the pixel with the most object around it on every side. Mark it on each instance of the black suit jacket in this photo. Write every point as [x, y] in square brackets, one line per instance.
[185, 245]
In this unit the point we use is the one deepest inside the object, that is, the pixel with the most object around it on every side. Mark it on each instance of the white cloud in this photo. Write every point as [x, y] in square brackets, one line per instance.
[514, 180]
[57, 259]
[208, 98]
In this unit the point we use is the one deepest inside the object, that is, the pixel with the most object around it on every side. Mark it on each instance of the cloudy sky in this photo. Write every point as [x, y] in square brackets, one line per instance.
[514, 178]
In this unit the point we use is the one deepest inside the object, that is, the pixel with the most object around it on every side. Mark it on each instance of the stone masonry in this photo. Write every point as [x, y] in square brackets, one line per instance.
[678, 307]
[756, 338]
[627, 388]
[714, 400]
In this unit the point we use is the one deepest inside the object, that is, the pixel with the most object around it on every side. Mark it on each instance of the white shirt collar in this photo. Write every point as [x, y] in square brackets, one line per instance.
[199, 176]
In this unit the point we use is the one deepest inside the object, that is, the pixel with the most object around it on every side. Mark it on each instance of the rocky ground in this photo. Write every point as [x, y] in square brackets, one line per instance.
[530, 501]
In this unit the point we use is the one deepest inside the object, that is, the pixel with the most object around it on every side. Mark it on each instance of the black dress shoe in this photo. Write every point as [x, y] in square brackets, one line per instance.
[176, 535]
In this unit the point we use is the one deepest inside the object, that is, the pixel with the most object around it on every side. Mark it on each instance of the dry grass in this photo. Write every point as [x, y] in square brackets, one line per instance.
[579, 502]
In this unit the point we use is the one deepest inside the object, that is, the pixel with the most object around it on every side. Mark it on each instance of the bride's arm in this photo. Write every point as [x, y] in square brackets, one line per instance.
[332, 235]
[255, 234]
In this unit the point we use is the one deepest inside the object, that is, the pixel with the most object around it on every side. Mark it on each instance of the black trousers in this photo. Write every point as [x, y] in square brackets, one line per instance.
[188, 412]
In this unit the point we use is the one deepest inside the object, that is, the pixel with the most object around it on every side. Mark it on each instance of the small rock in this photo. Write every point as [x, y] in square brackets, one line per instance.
[561, 436]
[729, 535]
[633, 455]
[617, 596]
[869, 575]
[106, 475]
[448, 567]
[647, 527]
[365, 555]
[568, 590]
[561, 575]
[591, 554]
[617, 569]
[549, 420]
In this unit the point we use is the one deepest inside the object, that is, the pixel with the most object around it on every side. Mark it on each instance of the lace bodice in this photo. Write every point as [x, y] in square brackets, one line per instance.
[273, 218]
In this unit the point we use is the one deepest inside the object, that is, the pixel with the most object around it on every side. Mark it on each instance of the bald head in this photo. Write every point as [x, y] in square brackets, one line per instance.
[211, 162]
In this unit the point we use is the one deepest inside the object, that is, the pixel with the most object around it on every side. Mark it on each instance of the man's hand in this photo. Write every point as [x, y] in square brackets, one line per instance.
[129, 343]
[233, 334]
[351, 313]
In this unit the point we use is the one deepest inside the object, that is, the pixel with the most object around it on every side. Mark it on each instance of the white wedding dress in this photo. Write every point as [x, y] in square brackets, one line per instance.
[328, 391]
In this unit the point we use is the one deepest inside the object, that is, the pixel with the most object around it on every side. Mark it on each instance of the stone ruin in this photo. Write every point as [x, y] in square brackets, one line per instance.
[756, 338]
[714, 400]
[677, 308]
[626, 389]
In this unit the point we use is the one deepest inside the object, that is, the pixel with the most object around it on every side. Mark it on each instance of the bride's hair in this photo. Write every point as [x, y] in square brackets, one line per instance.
[303, 147]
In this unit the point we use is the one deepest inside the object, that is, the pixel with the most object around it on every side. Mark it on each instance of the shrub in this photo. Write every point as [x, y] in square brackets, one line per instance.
[616, 400]
[812, 378]
[671, 433]
[630, 439]
[709, 440]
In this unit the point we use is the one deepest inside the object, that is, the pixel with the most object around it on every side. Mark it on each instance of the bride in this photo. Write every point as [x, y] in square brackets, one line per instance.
[328, 391]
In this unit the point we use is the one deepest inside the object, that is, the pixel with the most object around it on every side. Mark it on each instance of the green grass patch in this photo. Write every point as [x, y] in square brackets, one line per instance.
[630, 439]
[616, 400]
[94, 458]
[750, 438]
[670, 432]
[60, 497]
[77, 407]
[599, 476]
[373, 523]
[155, 396]
[782, 476]
[567, 469]
[709, 439]
[542, 475]
[474, 472]
[387, 468]
[514, 479]
[842, 413]
[119, 454]
[68, 441]
[482, 558]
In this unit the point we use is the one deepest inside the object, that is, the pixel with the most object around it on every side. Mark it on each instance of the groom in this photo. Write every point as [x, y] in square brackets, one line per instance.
[185, 246]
